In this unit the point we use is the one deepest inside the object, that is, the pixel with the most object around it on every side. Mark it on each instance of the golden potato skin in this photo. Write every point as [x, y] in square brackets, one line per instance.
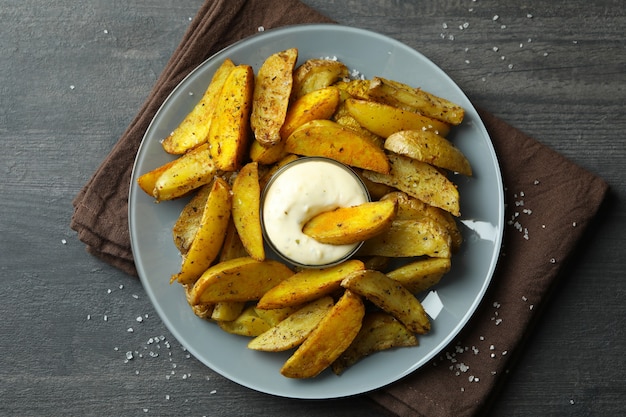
[346, 225]
[229, 130]
[272, 92]
[330, 338]
[246, 210]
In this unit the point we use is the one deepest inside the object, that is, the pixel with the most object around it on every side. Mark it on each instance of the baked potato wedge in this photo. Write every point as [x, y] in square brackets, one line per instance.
[408, 238]
[380, 331]
[318, 104]
[228, 133]
[246, 210]
[239, 279]
[384, 120]
[247, 324]
[419, 180]
[421, 274]
[429, 147]
[414, 99]
[208, 240]
[178, 177]
[227, 310]
[189, 220]
[389, 296]
[315, 74]
[307, 285]
[276, 315]
[410, 208]
[194, 129]
[328, 340]
[330, 139]
[272, 91]
[346, 225]
[293, 330]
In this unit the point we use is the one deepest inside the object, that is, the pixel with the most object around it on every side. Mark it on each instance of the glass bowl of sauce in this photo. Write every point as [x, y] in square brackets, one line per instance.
[299, 191]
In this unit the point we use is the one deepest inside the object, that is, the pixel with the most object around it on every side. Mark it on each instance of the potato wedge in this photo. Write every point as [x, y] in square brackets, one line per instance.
[384, 120]
[194, 129]
[247, 324]
[429, 147]
[272, 92]
[267, 155]
[308, 285]
[227, 310]
[232, 247]
[209, 238]
[318, 104]
[179, 176]
[240, 279]
[293, 330]
[315, 74]
[389, 296]
[346, 225]
[330, 139]
[380, 331]
[414, 99]
[189, 220]
[408, 238]
[358, 88]
[228, 133]
[328, 340]
[203, 311]
[410, 208]
[246, 210]
[420, 180]
[422, 274]
[276, 315]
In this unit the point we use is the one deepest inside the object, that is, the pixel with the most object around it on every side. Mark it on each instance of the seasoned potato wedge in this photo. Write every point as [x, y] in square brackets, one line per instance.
[385, 120]
[232, 247]
[315, 74]
[247, 324]
[240, 279]
[429, 147]
[358, 88]
[276, 315]
[246, 210]
[380, 331]
[228, 133]
[292, 331]
[308, 285]
[179, 176]
[194, 129]
[346, 225]
[318, 104]
[272, 92]
[267, 155]
[328, 340]
[330, 139]
[414, 99]
[420, 180]
[422, 274]
[227, 310]
[389, 296]
[189, 220]
[407, 238]
[208, 240]
[410, 208]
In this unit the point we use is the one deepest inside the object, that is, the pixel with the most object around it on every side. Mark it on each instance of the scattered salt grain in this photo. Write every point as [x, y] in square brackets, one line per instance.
[495, 17]
[109, 291]
[72, 87]
[130, 330]
[552, 260]
[105, 318]
[529, 15]
[121, 287]
[135, 296]
[63, 241]
[139, 319]
[261, 29]
[571, 401]
[129, 355]
[88, 316]
[213, 392]
[573, 224]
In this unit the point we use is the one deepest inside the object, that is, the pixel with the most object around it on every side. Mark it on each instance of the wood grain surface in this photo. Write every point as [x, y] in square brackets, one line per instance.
[75, 73]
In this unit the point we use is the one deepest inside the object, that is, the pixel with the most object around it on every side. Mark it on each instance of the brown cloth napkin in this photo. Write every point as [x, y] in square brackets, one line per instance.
[550, 202]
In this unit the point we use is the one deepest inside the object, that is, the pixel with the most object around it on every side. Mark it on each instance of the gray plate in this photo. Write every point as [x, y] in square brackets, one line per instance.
[460, 291]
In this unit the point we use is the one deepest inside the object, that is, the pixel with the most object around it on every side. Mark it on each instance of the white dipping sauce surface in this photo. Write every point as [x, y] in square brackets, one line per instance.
[299, 191]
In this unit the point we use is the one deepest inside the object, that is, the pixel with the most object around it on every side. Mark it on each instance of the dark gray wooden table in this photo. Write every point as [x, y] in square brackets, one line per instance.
[75, 73]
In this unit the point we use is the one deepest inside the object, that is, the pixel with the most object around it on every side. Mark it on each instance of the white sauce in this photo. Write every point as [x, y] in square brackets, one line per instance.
[298, 193]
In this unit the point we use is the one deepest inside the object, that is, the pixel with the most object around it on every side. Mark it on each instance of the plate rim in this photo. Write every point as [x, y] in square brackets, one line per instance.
[497, 241]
